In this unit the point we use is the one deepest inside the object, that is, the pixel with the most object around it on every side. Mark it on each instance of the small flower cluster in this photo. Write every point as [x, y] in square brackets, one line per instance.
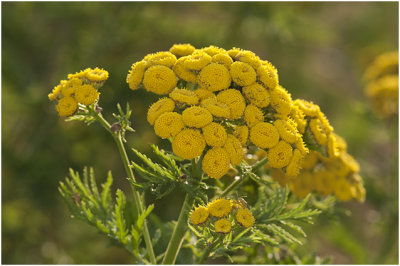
[80, 88]
[382, 80]
[328, 169]
[221, 214]
[228, 100]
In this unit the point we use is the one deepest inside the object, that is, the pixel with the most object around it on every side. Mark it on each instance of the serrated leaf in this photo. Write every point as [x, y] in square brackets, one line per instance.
[276, 229]
[106, 193]
[167, 160]
[294, 227]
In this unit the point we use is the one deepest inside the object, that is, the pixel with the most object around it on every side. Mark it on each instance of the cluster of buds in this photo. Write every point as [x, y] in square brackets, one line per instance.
[382, 81]
[80, 88]
[219, 102]
[222, 215]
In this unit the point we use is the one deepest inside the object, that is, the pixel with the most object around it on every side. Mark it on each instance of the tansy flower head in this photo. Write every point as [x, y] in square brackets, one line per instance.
[243, 74]
[214, 77]
[324, 182]
[234, 149]
[257, 95]
[161, 106]
[286, 130]
[199, 215]
[279, 176]
[67, 106]
[68, 88]
[318, 131]
[222, 226]
[299, 117]
[248, 57]
[161, 58]
[216, 108]
[280, 155]
[188, 144]
[268, 75]
[235, 101]
[135, 75]
[309, 108]
[294, 166]
[264, 135]
[96, 75]
[310, 160]
[196, 116]
[182, 72]
[212, 50]
[159, 80]
[333, 148]
[281, 101]
[223, 59]
[244, 217]
[214, 134]
[242, 134]
[216, 163]
[197, 60]
[86, 94]
[343, 189]
[253, 115]
[302, 185]
[55, 93]
[168, 125]
[184, 96]
[203, 94]
[182, 49]
[220, 207]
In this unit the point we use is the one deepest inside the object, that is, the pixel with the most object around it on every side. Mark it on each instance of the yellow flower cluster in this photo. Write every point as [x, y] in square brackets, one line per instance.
[382, 87]
[221, 214]
[80, 87]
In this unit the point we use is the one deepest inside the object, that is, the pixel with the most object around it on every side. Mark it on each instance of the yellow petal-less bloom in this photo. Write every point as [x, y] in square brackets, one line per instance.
[216, 163]
[308, 108]
[343, 189]
[244, 217]
[359, 192]
[301, 146]
[310, 160]
[234, 149]
[235, 101]
[333, 147]
[279, 176]
[294, 166]
[196, 116]
[214, 77]
[286, 130]
[324, 182]
[203, 94]
[302, 185]
[188, 144]
[135, 75]
[199, 215]
[220, 207]
[197, 61]
[319, 133]
[243, 74]
[159, 80]
[248, 57]
[281, 101]
[257, 95]
[168, 125]
[264, 135]
[216, 108]
[161, 58]
[268, 75]
[86, 94]
[212, 50]
[182, 49]
[242, 134]
[222, 226]
[161, 106]
[96, 75]
[299, 117]
[182, 72]
[68, 88]
[66, 106]
[214, 134]
[253, 115]
[184, 96]
[223, 59]
[55, 93]
[280, 155]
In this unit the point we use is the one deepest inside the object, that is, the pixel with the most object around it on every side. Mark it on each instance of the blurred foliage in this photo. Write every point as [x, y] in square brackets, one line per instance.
[320, 50]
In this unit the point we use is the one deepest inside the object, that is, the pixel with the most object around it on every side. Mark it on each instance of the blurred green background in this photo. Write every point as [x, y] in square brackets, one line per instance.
[321, 51]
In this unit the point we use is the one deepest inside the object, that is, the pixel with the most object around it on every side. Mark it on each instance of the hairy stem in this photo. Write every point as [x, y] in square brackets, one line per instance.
[136, 197]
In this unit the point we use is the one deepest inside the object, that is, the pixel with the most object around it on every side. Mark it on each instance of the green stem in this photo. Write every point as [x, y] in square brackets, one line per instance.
[259, 164]
[232, 186]
[136, 197]
[207, 252]
[180, 229]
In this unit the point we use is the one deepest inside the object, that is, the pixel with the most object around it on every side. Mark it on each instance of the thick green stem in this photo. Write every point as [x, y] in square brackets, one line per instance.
[180, 229]
[136, 197]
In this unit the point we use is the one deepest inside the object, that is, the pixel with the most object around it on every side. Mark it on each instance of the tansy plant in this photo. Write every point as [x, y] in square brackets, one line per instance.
[242, 150]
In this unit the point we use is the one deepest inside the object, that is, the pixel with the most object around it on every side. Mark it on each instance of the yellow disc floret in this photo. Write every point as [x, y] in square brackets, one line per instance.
[268, 75]
[223, 59]
[68, 88]
[86, 94]
[161, 106]
[302, 185]
[216, 108]
[286, 130]
[244, 217]
[159, 80]
[214, 134]
[257, 95]
[182, 49]
[243, 74]
[67, 106]
[220, 207]
[216, 163]
[182, 72]
[196, 116]
[135, 75]
[203, 94]
[235, 101]
[168, 125]
[222, 226]
[234, 149]
[280, 155]
[281, 101]
[197, 61]
[184, 96]
[242, 134]
[264, 135]
[214, 77]
[318, 131]
[294, 166]
[253, 115]
[96, 75]
[199, 215]
[188, 144]
[161, 58]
